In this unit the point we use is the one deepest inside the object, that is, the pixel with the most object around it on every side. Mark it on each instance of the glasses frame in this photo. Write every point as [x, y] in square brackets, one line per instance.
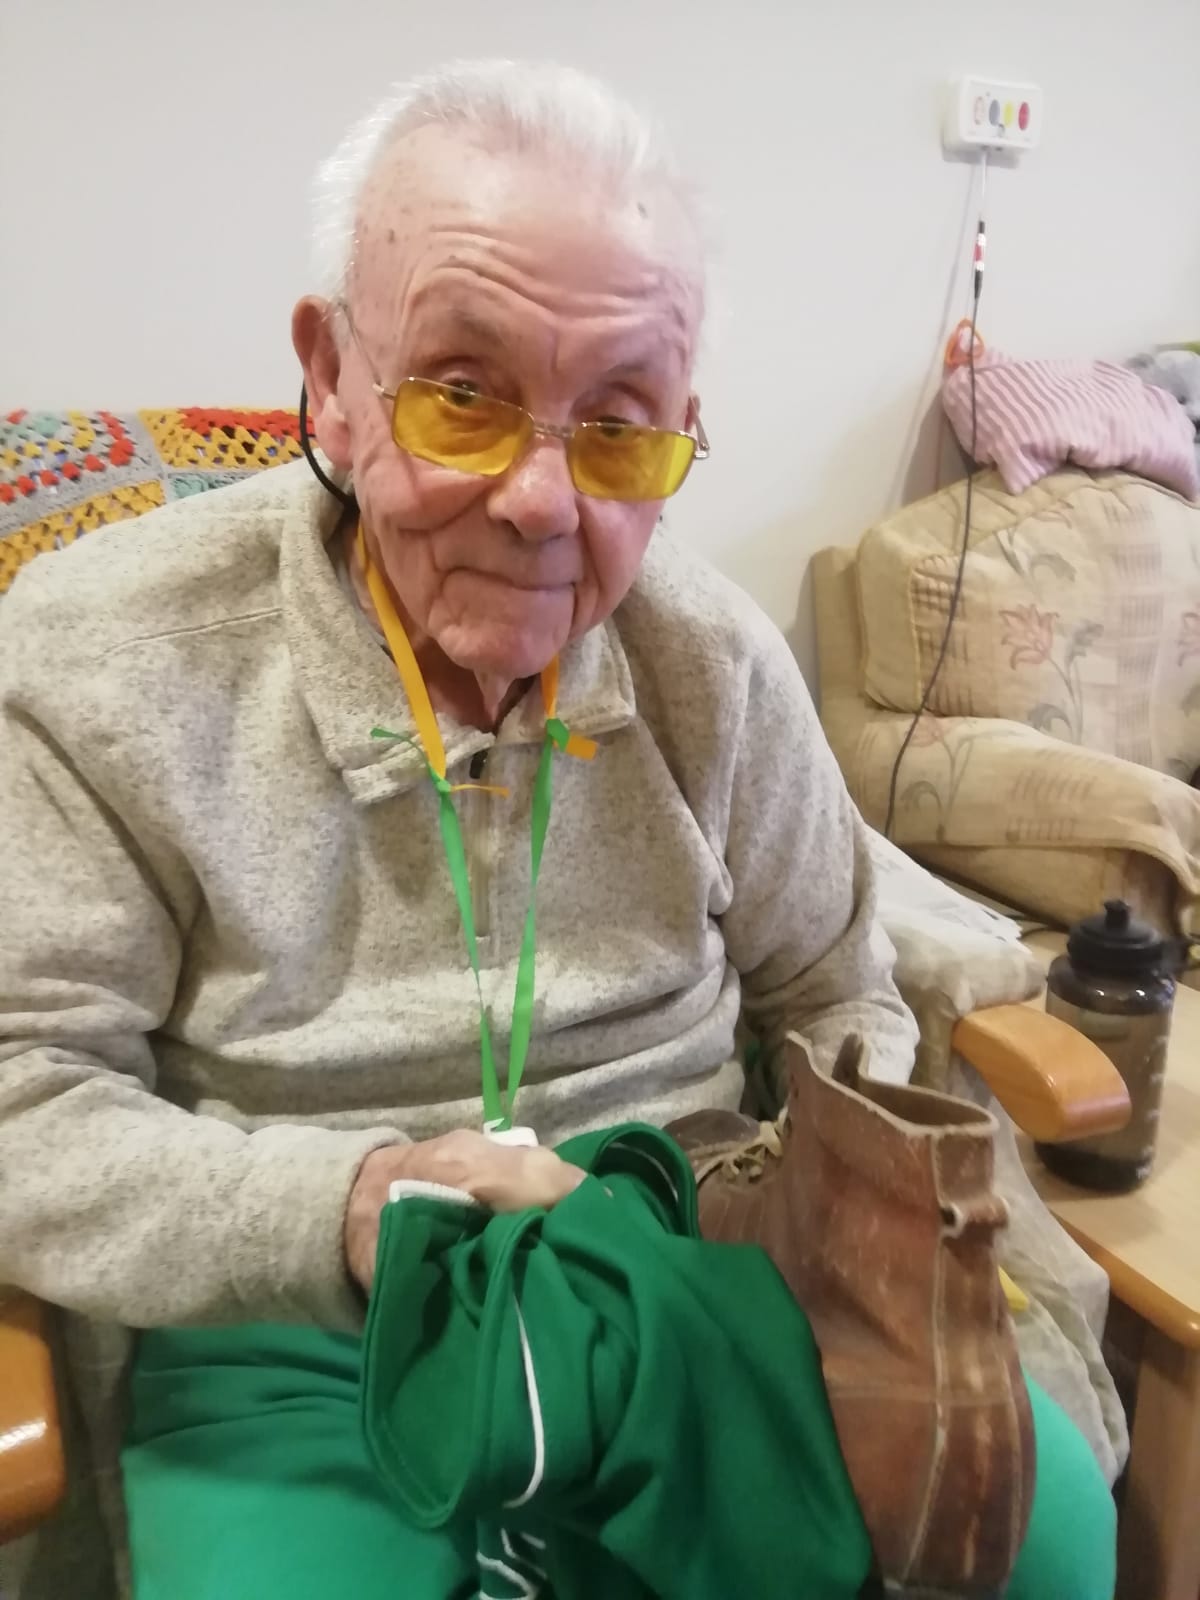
[538, 429]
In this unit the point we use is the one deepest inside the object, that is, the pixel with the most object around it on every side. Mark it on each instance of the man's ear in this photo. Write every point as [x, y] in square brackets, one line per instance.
[321, 358]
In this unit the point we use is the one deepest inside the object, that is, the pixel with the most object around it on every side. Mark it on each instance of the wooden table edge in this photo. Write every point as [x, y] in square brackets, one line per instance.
[1175, 1320]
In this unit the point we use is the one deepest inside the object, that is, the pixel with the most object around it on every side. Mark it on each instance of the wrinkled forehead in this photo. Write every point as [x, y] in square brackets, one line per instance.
[447, 229]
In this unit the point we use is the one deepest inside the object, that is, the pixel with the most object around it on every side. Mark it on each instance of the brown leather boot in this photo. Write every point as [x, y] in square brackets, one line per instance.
[875, 1203]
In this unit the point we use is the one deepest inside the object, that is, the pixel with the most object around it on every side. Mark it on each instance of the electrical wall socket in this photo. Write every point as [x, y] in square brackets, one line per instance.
[992, 114]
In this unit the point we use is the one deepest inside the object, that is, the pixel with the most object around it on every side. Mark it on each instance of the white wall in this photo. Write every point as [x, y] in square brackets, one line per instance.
[154, 161]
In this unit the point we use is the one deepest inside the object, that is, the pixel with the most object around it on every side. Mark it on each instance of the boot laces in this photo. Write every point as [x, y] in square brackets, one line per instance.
[744, 1162]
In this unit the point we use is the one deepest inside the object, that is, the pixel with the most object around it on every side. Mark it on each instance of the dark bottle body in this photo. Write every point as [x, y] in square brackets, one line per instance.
[1129, 1017]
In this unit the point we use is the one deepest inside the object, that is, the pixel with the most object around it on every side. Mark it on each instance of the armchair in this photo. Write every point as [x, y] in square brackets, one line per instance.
[1051, 768]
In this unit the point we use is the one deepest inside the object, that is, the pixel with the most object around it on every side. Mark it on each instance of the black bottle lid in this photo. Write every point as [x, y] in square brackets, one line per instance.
[1114, 942]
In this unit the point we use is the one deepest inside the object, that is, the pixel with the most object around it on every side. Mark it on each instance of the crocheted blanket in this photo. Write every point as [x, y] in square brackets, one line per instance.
[65, 473]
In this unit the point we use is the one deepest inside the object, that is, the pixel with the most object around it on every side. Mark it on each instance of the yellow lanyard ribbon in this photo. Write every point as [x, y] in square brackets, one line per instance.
[497, 1105]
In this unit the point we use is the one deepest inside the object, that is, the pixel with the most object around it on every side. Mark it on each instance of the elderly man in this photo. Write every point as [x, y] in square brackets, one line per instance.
[255, 944]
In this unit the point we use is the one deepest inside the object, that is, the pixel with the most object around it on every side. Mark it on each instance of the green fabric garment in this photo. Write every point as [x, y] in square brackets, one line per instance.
[671, 1454]
[247, 1478]
[640, 1401]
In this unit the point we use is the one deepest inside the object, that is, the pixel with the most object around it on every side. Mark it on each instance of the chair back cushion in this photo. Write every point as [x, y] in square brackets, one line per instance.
[1079, 613]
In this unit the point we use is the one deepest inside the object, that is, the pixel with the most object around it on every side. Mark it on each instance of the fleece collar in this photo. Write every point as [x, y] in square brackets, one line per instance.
[350, 685]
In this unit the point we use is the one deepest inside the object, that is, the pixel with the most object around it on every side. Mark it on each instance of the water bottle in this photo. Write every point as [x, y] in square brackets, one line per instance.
[1116, 985]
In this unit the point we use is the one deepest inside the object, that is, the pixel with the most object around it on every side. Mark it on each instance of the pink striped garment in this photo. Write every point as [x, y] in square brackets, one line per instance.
[1036, 416]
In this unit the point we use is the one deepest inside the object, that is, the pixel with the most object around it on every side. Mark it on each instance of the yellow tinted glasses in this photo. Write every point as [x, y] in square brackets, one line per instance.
[455, 426]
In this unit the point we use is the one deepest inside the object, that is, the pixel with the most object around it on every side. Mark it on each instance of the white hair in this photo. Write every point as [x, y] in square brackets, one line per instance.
[518, 106]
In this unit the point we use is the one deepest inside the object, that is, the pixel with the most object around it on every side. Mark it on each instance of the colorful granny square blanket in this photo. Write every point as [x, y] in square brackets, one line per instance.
[64, 473]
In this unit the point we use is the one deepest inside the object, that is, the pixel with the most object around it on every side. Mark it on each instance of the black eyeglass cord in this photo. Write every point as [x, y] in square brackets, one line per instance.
[319, 472]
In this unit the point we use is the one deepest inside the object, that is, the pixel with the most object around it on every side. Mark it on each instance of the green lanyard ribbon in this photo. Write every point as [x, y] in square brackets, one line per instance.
[497, 1103]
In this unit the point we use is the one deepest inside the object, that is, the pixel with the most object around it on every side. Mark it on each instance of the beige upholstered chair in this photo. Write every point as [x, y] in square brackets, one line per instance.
[1051, 767]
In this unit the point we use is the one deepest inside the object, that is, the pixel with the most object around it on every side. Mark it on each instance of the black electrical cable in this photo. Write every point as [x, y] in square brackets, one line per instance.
[962, 554]
[306, 445]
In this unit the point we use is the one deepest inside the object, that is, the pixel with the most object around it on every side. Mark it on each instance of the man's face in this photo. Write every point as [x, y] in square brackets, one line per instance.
[503, 273]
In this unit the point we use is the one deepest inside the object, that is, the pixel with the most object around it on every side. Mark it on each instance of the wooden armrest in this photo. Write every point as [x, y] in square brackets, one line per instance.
[32, 1470]
[1053, 1082]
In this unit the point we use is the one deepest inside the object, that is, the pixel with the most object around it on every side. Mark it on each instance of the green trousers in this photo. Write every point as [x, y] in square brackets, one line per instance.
[683, 1444]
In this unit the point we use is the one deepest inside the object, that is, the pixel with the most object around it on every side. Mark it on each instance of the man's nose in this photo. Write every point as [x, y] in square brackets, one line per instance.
[536, 494]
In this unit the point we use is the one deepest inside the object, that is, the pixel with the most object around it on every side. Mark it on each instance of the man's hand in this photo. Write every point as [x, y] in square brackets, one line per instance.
[502, 1177]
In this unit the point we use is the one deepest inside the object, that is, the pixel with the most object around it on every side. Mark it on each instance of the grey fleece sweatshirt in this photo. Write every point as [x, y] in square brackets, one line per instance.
[230, 958]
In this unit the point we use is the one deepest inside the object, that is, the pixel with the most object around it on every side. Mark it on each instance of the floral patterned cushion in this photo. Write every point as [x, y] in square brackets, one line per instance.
[1079, 614]
[65, 473]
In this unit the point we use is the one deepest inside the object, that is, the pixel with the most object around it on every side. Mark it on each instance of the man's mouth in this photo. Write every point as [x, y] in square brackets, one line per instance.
[548, 584]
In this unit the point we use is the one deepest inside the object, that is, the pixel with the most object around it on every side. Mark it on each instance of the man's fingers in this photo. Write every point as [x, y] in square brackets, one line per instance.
[513, 1179]
[502, 1177]
[549, 1178]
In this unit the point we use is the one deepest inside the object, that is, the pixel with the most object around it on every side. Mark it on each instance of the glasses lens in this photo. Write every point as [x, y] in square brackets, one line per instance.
[456, 427]
[620, 461]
